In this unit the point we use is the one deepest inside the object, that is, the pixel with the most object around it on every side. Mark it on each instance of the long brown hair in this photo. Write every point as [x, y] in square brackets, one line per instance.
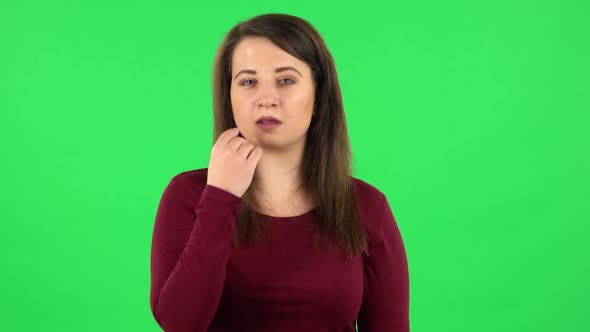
[327, 157]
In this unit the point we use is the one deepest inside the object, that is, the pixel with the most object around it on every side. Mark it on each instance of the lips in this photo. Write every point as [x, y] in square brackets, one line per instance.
[267, 119]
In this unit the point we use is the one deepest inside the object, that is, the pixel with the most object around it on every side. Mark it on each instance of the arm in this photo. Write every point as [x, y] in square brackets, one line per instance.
[385, 304]
[189, 254]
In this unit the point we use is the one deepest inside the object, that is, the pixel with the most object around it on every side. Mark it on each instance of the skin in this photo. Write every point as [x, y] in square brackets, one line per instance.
[287, 96]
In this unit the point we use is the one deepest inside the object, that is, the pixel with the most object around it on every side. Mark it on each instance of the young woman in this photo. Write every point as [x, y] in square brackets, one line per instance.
[276, 234]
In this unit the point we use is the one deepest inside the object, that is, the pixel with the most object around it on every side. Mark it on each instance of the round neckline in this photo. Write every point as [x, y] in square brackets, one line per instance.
[300, 217]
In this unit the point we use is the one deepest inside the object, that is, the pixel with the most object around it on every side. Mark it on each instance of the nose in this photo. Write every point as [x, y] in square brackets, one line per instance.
[268, 96]
[267, 102]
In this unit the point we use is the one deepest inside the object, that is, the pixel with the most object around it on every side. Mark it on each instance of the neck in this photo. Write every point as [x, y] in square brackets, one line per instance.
[278, 172]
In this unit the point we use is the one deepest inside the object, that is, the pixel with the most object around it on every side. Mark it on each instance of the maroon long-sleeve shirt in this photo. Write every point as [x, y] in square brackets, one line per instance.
[200, 283]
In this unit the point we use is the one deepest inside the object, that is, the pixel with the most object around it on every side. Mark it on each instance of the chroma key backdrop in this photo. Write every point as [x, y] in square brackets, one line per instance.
[470, 116]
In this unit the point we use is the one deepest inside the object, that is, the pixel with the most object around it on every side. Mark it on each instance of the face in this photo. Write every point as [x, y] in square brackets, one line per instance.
[257, 90]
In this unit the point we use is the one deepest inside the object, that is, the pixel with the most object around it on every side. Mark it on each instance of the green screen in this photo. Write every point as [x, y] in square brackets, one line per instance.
[471, 116]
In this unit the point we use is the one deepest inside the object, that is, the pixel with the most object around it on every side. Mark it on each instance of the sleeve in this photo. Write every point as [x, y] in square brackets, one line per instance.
[385, 305]
[189, 254]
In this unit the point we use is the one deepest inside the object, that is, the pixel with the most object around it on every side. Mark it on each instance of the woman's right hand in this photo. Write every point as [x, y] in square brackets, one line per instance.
[232, 166]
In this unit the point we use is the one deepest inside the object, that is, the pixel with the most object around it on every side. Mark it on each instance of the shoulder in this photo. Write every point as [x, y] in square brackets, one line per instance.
[191, 182]
[372, 202]
[369, 196]
[196, 178]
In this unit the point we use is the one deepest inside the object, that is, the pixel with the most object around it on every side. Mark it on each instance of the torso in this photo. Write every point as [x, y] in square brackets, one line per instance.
[288, 208]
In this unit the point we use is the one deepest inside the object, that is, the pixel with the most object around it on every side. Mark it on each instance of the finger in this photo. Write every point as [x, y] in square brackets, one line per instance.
[236, 142]
[227, 135]
[254, 157]
[245, 149]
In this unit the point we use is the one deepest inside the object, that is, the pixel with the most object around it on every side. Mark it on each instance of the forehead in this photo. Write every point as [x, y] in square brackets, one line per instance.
[260, 53]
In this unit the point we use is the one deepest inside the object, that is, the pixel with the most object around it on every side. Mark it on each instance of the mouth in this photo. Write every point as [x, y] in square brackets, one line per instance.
[268, 124]
[267, 120]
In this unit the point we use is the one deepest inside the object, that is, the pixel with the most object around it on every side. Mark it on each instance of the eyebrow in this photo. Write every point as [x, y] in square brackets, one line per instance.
[278, 70]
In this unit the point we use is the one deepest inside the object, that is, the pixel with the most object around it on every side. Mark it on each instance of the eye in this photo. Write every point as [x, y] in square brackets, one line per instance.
[288, 79]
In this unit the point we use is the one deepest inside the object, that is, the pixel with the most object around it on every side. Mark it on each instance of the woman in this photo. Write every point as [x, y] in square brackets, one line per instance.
[276, 235]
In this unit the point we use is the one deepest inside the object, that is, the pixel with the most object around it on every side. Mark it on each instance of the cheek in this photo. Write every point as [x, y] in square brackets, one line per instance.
[304, 103]
[237, 105]
[240, 102]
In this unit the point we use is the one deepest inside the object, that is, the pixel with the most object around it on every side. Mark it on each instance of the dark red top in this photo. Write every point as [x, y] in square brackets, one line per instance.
[200, 283]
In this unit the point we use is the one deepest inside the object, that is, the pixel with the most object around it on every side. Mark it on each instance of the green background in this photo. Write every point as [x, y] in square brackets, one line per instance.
[472, 117]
